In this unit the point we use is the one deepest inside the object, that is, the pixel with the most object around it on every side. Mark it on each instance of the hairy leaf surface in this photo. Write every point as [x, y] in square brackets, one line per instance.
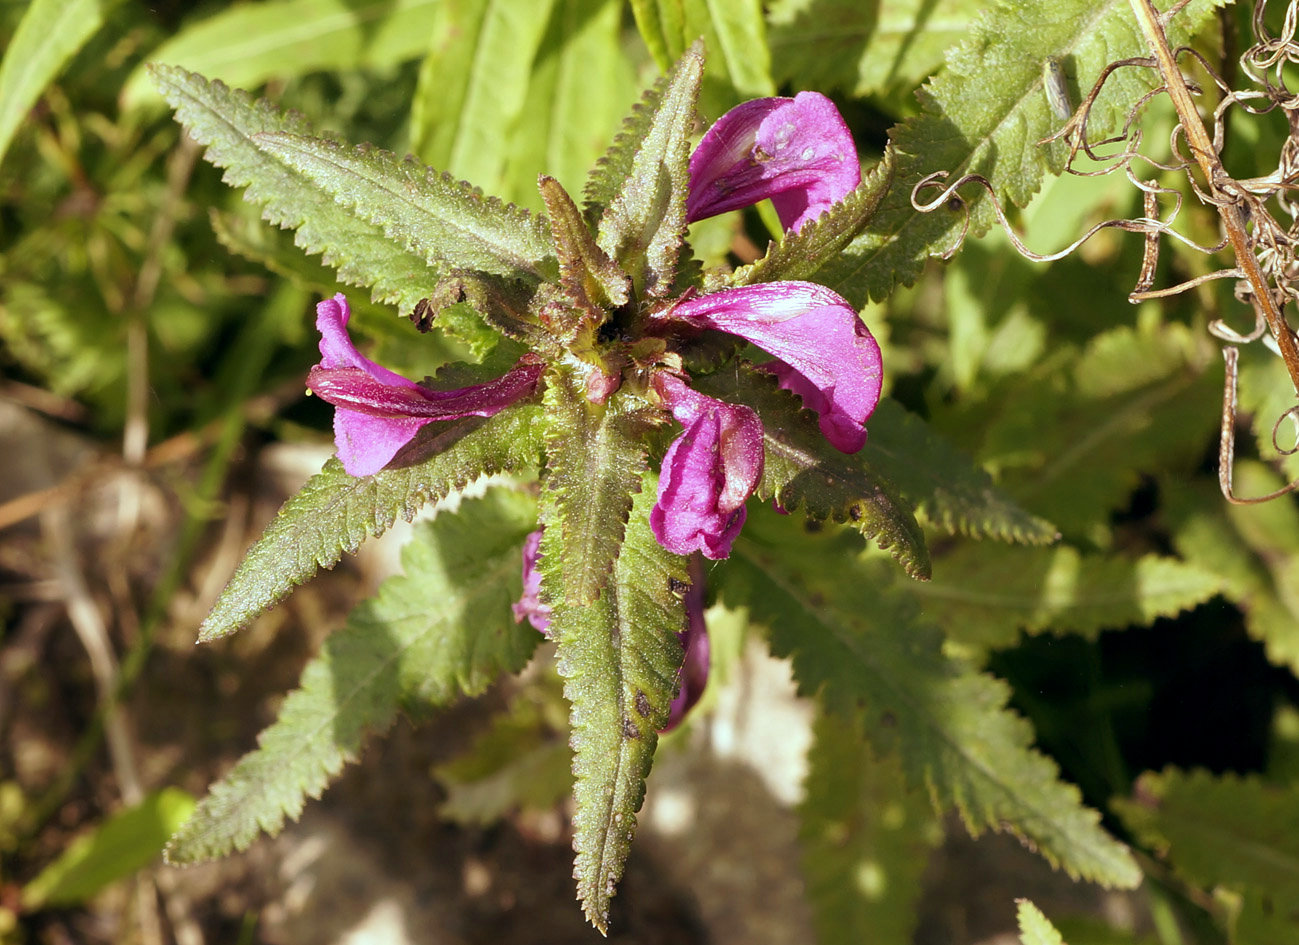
[335, 512]
[865, 837]
[985, 114]
[864, 646]
[225, 121]
[442, 630]
[619, 657]
[595, 461]
[447, 222]
[643, 225]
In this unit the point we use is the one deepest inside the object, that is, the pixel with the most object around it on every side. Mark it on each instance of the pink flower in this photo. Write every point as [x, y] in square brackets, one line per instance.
[377, 412]
[529, 605]
[797, 151]
[708, 473]
[826, 355]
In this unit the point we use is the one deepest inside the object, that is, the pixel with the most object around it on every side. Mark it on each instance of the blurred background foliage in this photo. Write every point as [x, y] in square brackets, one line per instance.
[149, 317]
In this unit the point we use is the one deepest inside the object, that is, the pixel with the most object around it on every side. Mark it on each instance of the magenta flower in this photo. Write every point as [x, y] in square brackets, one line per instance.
[797, 151]
[377, 412]
[529, 605]
[708, 473]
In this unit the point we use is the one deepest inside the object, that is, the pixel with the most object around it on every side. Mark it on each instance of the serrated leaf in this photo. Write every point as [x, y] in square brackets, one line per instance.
[335, 512]
[619, 657]
[128, 841]
[984, 113]
[949, 491]
[441, 630]
[473, 84]
[865, 49]
[49, 34]
[225, 121]
[985, 595]
[799, 255]
[645, 222]
[246, 44]
[446, 222]
[865, 647]
[865, 839]
[802, 470]
[1034, 927]
[594, 464]
[1228, 830]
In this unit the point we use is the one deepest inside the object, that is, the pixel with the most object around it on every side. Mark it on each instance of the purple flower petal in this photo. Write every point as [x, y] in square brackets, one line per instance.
[377, 412]
[829, 357]
[694, 671]
[529, 605]
[797, 151]
[708, 472]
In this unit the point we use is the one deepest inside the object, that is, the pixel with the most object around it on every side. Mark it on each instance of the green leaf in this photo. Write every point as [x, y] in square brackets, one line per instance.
[985, 594]
[335, 512]
[473, 85]
[441, 630]
[985, 114]
[128, 841]
[1233, 831]
[876, 49]
[802, 470]
[446, 222]
[49, 34]
[246, 44]
[865, 838]
[645, 222]
[619, 657]
[734, 34]
[1034, 927]
[522, 761]
[799, 255]
[947, 489]
[226, 121]
[865, 647]
[595, 462]
[582, 83]
[1250, 551]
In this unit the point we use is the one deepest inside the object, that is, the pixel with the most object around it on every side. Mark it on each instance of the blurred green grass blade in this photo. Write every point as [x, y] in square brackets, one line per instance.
[49, 35]
[473, 85]
[126, 842]
[247, 44]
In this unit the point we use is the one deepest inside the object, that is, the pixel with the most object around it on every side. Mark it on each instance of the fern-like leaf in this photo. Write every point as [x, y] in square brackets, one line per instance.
[619, 657]
[442, 630]
[863, 646]
[335, 512]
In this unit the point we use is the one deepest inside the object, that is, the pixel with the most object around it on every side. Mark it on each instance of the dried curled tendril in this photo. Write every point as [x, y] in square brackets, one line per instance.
[1266, 252]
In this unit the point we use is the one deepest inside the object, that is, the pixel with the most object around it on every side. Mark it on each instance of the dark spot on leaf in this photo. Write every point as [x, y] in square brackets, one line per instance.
[423, 315]
[816, 599]
[812, 525]
[888, 720]
[629, 729]
[854, 512]
[642, 704]
[677, 587]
